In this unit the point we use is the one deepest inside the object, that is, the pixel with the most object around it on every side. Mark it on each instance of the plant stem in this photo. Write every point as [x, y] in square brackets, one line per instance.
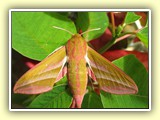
[113, 24]
[122, 37]
[107, 46]
[126, 35]
[115, 40]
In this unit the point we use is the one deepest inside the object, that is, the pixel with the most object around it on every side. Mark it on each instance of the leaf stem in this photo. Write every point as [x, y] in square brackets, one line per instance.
[122, 37]
[126, 35]
[117, 39]
[113, 24]
[107, 46]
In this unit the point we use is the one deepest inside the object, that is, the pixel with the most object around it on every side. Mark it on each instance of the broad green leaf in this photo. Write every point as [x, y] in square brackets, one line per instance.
[143, 36]
[33, 35]
[123, 101]
[92, 100]
[59, 97]
[90, 20]
[131, 17]
[134, 68]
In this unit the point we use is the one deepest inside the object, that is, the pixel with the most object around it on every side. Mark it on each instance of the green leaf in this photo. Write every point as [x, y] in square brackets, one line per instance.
[92, 100]
[59, 97]
[131, 17]
[90, 20]
[119, 30]
[33, 35]
[143, 36]
[133, 67]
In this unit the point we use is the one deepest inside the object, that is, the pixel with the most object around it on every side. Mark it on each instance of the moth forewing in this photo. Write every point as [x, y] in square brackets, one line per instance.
[63, 70]
[109, 77]
[42, 77]
[90, 71]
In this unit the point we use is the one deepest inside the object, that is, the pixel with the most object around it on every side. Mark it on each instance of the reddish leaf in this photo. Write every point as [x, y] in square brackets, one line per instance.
[102, 40]
[143, 19]
[143, 57]
[115, 54]
[136, 39]
[118, 16]
[29, 62]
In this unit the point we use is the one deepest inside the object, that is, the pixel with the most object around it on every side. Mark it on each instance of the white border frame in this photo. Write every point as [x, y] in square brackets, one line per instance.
[81, 10]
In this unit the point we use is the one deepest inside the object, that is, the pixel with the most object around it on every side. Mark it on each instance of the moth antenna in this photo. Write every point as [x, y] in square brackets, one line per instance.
[63, 29]
[90, 30]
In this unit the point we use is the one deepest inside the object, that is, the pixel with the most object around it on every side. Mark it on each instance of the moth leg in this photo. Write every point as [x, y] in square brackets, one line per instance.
[73, 105]
[94, 85]
[91, 73]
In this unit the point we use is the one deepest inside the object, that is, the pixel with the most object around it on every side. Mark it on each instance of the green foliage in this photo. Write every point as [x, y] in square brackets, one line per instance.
[92, 100]
[33, 35]
[90, 20]
[131, 17]
[134, 68]
[143, 36]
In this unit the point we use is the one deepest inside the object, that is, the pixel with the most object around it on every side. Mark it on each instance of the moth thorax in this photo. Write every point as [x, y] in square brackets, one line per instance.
[76, 47]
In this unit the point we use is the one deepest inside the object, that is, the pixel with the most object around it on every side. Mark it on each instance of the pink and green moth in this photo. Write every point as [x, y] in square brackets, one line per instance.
[80, 63]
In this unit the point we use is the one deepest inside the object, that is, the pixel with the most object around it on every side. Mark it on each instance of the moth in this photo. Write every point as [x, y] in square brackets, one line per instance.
[80, 63]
